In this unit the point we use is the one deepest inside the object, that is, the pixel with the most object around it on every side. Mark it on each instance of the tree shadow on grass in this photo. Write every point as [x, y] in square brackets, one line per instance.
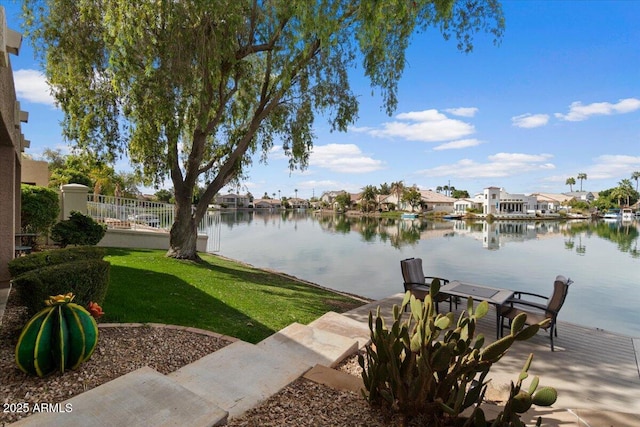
[215, 294]
[143, 296]
[312, 299]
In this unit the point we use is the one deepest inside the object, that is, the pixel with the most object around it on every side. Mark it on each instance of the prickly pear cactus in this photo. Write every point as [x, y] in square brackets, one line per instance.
[428, 364]
[520, 400]
[61, 336]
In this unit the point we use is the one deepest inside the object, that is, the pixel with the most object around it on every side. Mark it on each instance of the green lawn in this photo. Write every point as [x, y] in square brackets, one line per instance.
[216, 294]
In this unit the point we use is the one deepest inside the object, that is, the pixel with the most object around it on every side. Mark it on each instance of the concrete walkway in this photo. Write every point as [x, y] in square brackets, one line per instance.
[595, 372]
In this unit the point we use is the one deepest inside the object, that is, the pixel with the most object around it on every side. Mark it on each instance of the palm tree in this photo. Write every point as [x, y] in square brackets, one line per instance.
[438, 188]
[368, 197]
[636, 176]
[581, 177]
[626, 189]
[296, 191]
[398, 189]
[617, 193]
[570, 182]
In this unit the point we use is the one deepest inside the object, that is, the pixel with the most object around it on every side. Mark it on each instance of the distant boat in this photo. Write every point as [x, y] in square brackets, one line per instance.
[453, 216]
[613, 215]
[627, 214]
[408, 215]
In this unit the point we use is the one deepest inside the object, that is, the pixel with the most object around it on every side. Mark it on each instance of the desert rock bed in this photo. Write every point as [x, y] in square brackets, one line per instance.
[120, 350]
[124, 349]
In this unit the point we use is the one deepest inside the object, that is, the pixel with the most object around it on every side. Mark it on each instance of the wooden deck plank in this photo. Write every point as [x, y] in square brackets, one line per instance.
[591, 368]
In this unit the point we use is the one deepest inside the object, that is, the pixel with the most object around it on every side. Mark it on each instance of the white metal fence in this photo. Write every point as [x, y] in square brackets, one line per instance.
[120, 212]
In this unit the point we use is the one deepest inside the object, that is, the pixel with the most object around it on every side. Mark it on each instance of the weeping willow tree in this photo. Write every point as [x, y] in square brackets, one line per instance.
[191, 90]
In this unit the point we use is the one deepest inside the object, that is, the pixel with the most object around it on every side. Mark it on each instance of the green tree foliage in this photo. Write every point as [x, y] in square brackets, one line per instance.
[625, 192]
[460, 194]
[164, 195]
[571, 181]
[397, 188]
[412, 196]
[193, 89]
[617, 196]
[87, 169]
[579, 205]
[636, 176]
[385, 188]
[343, 200]
[61, 177]
[369, 193]
[39, 209]
[79, 229]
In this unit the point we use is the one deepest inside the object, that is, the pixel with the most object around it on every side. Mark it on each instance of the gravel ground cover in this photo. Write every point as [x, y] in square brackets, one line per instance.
[123, 349]
[120, 350]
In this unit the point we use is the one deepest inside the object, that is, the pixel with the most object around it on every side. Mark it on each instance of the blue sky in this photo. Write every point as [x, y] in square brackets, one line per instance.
[559, 96]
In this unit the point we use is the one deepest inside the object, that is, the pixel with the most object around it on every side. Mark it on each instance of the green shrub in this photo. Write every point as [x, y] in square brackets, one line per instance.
[37, 260]
[40, 208]
[79, 229]
[431, 366]
[87, 280]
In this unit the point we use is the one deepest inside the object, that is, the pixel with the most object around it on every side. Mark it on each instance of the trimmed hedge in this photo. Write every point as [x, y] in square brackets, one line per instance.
[86, 279]
[40, 208]
[38, 260]
[79, 229]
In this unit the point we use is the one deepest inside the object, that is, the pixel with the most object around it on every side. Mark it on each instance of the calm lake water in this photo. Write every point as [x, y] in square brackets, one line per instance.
[362, 256]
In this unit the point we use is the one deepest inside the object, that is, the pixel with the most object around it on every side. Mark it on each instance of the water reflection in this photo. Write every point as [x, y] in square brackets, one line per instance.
[496, 234]
[623, 234]
[361, 255]
[401, 233]
[396, 232]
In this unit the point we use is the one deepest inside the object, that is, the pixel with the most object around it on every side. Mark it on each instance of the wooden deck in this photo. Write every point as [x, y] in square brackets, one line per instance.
[591, 369]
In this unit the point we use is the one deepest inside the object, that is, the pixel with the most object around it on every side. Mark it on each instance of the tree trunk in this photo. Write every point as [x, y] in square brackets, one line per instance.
[183, 235]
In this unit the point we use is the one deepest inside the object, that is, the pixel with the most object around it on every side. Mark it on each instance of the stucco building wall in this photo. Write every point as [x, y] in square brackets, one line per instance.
[12, 143]
[35, 172]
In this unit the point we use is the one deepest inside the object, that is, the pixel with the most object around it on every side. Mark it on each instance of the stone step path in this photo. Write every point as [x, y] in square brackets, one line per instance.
[224, 384]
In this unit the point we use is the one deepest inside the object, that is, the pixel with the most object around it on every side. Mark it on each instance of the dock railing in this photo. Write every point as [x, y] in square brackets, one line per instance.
[135, 214]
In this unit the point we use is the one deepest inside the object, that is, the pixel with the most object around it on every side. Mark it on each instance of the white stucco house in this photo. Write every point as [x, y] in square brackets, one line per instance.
[497, 201]
[551, 202]
[586, 196]
[267, 204]
[461, 206]
[234, 201]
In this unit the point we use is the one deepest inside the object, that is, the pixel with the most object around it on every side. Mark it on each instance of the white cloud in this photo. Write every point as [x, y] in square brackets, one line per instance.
[608, 167]
[428, 126]
[500, 165]
[343, 158]
[276, 152]
[320, 184]
[455, 145]
[530, 120]
[462, 111]
[578, 112]
[519, 157]
[31, 86]
[613, 166]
